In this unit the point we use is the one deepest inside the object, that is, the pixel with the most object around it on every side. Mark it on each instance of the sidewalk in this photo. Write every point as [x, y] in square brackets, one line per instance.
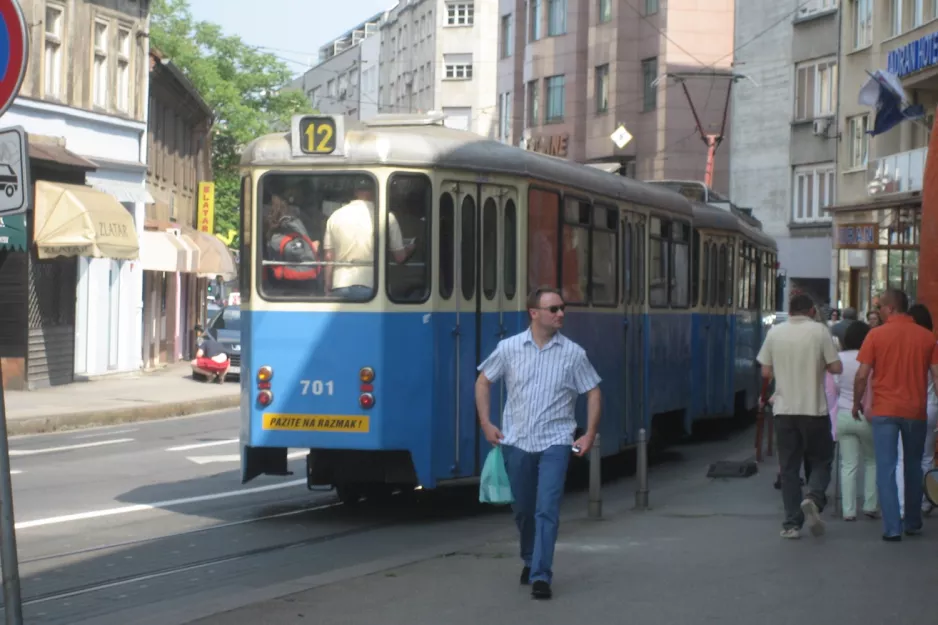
[709, 552]
[167, 392]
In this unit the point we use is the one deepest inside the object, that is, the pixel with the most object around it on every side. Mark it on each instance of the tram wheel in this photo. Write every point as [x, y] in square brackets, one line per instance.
[348, 494]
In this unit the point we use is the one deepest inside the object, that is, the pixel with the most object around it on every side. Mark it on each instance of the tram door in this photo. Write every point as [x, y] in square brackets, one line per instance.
[632, 230]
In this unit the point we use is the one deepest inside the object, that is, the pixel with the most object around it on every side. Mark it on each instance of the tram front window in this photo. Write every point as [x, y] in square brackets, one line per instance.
[317, 236]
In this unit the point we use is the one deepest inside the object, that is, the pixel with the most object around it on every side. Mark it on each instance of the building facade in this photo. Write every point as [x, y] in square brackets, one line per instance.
[441, 55]
[878, 215]
[570, 72]
[179, 144]
[345, 81]
[790, 51]
[86, 88]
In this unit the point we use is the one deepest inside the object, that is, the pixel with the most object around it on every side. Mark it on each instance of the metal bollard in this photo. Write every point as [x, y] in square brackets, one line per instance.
[595, 497]
[641, 495]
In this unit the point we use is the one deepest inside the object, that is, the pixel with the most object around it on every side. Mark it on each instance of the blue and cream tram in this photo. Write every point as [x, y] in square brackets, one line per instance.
[377, 382]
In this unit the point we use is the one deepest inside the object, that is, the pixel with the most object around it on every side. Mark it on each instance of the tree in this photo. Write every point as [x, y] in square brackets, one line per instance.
[242, 85]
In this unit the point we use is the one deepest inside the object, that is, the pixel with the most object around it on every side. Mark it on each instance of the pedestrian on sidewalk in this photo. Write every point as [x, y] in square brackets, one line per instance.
[922, 317]
[798, 353]
[855, 437]
[544, 372]
[900, 354]
[211, 360]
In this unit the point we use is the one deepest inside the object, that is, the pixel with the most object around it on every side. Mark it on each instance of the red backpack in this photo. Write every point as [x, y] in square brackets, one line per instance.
[294, 247]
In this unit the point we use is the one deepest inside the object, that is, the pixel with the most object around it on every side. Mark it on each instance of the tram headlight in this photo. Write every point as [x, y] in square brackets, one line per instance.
[264, 374]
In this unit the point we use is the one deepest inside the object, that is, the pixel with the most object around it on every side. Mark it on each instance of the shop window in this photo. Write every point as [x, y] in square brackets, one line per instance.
[543, 236]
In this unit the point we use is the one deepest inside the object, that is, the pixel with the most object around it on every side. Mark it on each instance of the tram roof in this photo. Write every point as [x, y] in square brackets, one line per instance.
[413, 141]
[706, 216]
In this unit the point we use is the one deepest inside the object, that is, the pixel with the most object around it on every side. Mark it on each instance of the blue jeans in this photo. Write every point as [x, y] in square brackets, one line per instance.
[886, 446]
[356, 292]
[537, 481]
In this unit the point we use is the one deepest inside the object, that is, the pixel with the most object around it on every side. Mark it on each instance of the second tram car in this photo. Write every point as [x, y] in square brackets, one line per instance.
[670, 298]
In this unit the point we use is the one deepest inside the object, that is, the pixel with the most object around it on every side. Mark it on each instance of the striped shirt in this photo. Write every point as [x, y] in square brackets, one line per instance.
[542, 388]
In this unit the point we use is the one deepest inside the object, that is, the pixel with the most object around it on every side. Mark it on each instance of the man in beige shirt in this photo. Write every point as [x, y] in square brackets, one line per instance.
[797, 354]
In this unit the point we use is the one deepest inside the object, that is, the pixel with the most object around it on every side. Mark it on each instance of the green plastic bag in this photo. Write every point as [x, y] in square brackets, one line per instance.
[494, 487]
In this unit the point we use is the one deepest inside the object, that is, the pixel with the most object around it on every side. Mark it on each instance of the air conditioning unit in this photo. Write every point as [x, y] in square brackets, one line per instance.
[821, 126]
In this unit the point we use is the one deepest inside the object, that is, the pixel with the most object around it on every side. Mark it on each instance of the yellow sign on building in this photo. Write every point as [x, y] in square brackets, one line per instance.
[207, 207]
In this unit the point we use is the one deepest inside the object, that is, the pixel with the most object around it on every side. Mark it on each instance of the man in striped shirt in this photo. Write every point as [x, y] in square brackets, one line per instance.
[544, 373]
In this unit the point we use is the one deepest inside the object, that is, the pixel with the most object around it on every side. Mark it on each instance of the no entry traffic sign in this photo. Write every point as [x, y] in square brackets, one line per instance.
[14, 51]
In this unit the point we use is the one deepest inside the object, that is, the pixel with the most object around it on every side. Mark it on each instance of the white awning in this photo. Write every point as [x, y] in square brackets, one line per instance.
[123, 191]
[193, 253]
[161, 251]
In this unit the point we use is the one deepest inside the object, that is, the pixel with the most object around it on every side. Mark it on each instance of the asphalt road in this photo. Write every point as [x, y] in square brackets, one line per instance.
[149, 523]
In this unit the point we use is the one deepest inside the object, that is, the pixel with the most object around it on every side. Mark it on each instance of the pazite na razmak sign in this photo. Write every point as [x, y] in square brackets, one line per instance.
[207, 207]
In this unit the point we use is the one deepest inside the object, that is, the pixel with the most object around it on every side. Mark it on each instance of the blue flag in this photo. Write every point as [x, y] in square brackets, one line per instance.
[884, 92]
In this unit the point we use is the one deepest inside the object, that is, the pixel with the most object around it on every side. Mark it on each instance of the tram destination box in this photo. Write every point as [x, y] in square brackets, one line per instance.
[317, 135]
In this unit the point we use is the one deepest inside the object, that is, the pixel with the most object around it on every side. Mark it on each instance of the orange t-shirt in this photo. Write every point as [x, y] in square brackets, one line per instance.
[900, 352]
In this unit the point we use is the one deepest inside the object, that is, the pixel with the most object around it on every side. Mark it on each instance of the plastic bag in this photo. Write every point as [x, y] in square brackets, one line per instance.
[494, 487]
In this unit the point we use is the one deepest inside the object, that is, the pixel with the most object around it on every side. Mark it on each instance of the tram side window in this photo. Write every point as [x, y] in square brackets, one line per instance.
[317, 238]
[604, 259]
[640, 266]
[543, 237]
[712, 297]
[511, 250]
[245, 247]
[697, 253]
[447, 245]
[489, 249]
[680, 265]
[467, 256]
[574, 271]
[704, 269]
[628, 262]
[743, 280]
[410, 205]
[723, 279]
[660, 248]
[753, 279]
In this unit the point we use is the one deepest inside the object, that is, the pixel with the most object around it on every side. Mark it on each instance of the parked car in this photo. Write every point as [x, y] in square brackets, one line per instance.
[225, 327]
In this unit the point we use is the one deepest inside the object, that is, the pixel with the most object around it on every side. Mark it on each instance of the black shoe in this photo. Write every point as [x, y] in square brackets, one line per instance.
[541, 590]
[526, 576]
[893, 539]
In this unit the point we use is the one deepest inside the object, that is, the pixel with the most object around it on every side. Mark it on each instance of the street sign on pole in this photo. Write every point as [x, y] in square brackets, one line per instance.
[14, 56]
[621, 137]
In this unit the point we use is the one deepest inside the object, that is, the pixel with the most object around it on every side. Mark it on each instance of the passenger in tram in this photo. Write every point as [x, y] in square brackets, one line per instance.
[797, 353]
[900, 354]
[349, 239]
[539, 424]
[288, 241]
[855, 437]
[922, 317]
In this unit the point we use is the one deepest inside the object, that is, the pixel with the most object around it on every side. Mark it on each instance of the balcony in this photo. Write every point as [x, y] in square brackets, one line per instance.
[896, 173]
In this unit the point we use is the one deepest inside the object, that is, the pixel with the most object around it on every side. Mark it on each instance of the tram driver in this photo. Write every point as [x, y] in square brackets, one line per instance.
[349, 241]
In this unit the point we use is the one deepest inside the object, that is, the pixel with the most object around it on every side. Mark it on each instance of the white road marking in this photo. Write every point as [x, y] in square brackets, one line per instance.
[99, 435]
[96, 514]
[48, 450]
[200, 445]
[237, 457]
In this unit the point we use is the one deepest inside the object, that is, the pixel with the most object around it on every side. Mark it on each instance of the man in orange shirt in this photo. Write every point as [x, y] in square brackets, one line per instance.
[900, 353]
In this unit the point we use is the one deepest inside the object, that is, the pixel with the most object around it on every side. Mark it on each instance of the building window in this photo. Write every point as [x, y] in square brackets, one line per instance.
[602, 88]
[651, 7]
[507, 35]
[859, 141]
[556, 98]
[918, 13]
[649, 91]
[460, 14]
[459, 71]
[100, 64]
[862, 23]
[52, 61]
[535, 20]
[556, 17]
[605, 11]
[123, 70]
[816, 6]
[895, 16]
[815, 90]
[504, 124]
[813, 191]
[533, 104]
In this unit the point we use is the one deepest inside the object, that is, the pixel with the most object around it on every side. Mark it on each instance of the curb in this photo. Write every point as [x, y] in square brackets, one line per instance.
[129, 414]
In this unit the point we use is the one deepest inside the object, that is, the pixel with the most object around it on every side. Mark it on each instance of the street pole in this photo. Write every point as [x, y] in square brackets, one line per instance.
[641, 494]
[595, 508]
[12, 601]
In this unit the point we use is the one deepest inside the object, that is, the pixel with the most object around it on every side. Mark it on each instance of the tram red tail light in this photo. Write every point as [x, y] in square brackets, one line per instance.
[367, 377]
[367, 400]
[265, 398]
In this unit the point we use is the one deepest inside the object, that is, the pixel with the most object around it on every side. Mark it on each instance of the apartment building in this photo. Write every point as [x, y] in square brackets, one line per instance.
[785, 139]
[345, 81]
[571, 72]
[877, 218]
[441, 55]
[72, 311]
